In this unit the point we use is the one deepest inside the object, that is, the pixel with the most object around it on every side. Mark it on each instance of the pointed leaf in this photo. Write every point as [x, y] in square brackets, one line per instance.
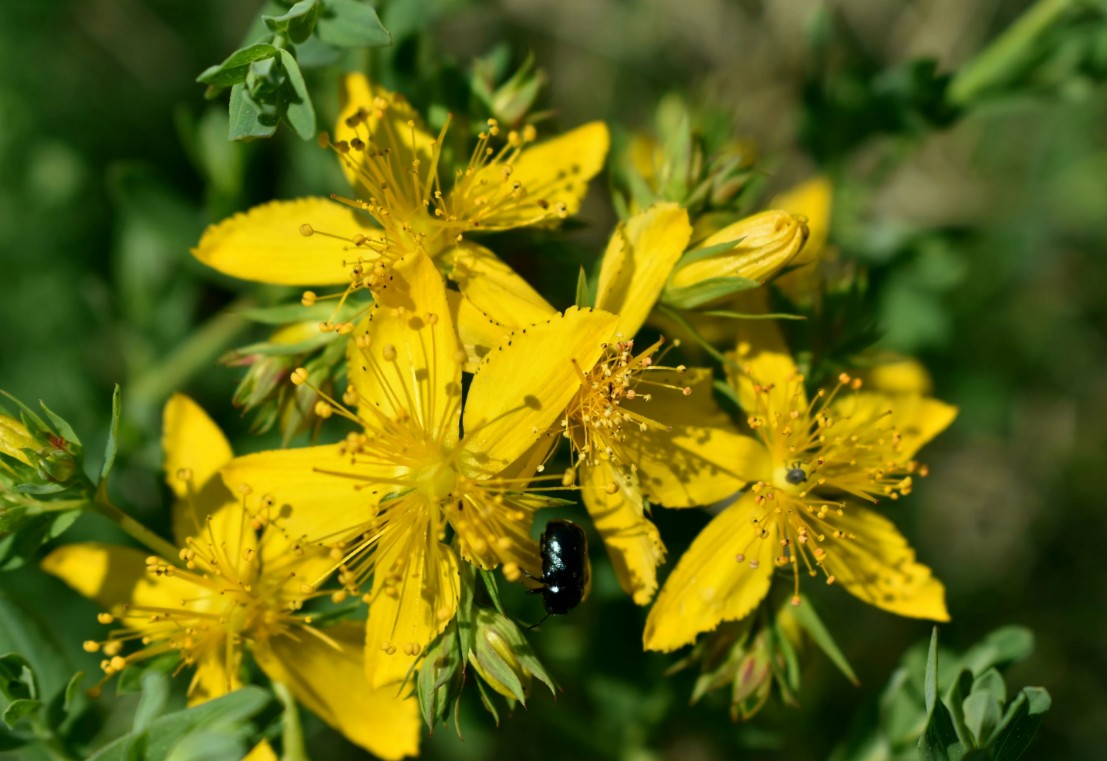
[805, 614]
[1020, 723]
[248, 118]
[351, 24]
[111, 446]
[298, 23]
[233, 70]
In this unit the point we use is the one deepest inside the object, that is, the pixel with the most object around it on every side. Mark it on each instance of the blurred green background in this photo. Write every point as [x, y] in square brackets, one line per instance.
[985, 238]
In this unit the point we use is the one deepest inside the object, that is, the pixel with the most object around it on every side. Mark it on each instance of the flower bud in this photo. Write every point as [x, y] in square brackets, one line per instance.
[14, 438]
[762, 245]
[502, 657]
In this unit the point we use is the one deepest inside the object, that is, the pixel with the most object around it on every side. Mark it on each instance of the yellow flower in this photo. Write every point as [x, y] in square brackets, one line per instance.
[641, 430]
[812, 201]
[241, 587]
[385, 497]
[393, 164]
[817, 457]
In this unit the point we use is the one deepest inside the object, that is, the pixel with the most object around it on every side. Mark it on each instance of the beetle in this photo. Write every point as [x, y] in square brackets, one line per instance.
[565, 567]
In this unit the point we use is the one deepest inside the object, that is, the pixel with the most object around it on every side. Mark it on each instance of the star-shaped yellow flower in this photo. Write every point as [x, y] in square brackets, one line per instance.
[818, 457]
[402, 204]
[241, 588]
[391, 497]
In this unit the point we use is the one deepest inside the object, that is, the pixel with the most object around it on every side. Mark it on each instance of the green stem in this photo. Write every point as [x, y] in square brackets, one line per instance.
[103, 506]
[292, 734]
[1008, 51]
[198, 352]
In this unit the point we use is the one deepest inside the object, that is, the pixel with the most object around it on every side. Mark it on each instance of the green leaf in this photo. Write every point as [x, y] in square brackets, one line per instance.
[61, 427]
[233, 71]
[705, 291]
[1002, 647]
[155, 696]
[746, 316]
[21, 545]
[17, 678]
[165, 732]
[210, 746]
[249, 120]
[351, 24]
[939, 740]
[982, 716]
[805, 614]
[297, 312]
[1020, 723]
[298, 24]
[18, 710]
[299, 113]
[112, 444]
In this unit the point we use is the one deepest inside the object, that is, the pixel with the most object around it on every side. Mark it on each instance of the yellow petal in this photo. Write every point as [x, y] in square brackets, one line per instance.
[389, 125]
[115, 576]
[327, 674]
[917, 419]
[524, 385]
[632, 541]
[896, 374]
[405, 356]
[763, 360]
[192, 443]
[401, 626]
[194, 449]
[722, 577]
[478, 333]
[263, 751]
[693, 454]
[763, 244]
[314, 489]
[213, 678]
[14, 438]
[266, 245]
[638, 260]
[495, 289]
[811, 200]
[553, 176]
[876, 564]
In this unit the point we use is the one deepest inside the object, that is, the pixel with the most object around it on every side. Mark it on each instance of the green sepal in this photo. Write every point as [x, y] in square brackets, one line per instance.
[807, 618]
[111, 446]
[584, 296]
[233, 71]
[706, 291]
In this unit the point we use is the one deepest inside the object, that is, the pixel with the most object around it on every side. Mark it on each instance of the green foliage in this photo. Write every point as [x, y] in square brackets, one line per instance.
[953, 708]
[220, 728]
[267, 85]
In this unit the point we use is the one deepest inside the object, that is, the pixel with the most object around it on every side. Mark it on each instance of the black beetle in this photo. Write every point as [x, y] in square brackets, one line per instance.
[565, 567]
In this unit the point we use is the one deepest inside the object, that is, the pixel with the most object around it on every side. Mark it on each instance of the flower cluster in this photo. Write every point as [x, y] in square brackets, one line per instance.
[460, 402]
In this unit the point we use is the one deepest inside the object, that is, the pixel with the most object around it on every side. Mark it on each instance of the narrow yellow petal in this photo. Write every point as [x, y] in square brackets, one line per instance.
[114, 576]
[193, 444]
[327, 674]
[263, 751]
[405, 358]
[917, 419]
[212, 678]
[404, 620]
[522, 387]
[764, 360]
[638, 261]
[385, 122]
[478, 333]
[314, 490]
[194, 449]
[877, 565]
[266, 244]
[632, 541]
[495, 289]
[553, 176]
[14, 438]
[722, 577]
[692, 454]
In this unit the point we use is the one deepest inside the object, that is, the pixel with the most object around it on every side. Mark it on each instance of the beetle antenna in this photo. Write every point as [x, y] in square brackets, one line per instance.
[534, 626]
